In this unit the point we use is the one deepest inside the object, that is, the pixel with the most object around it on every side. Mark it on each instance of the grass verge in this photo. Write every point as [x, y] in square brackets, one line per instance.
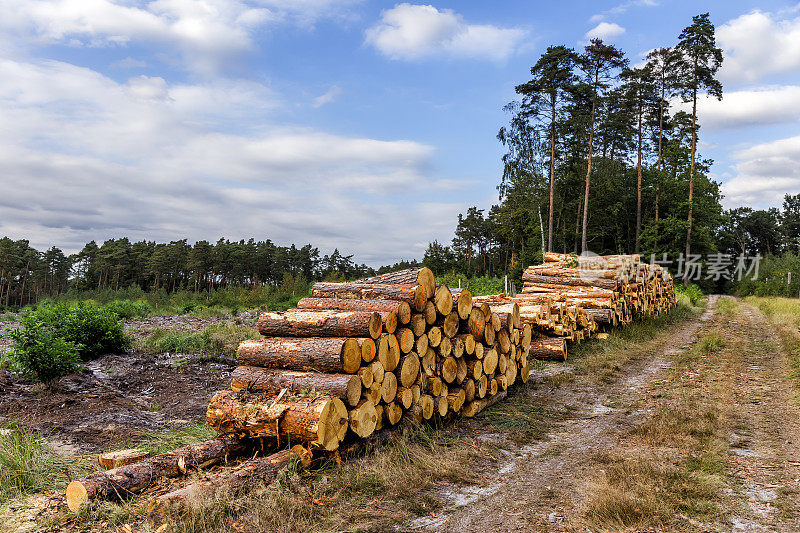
[217, 339]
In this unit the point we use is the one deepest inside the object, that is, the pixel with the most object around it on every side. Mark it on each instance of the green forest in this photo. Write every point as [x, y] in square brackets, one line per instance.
[600, 156]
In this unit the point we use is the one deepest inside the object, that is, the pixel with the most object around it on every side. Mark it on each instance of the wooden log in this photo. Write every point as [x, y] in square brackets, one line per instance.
[463, 303]
[389, 352]
[476, 323]
[366, 376]
[405, 339]
[393, 413]
[449, 369]
[441, 405]
[443, 299]
[256, 379]
[479, 351]
[421, 344]
[450, 324]
[549, 349]
[368, 350]
[418, 324]
[378, 371]
[504, 341]
[373, 394]
[482, 386]
[410, 276]
[469, 343]
[234, 481]
[458, 347]
[469, 389]
[381, 417]
[320, 420]
[119, 482]
[489, 334]
[430, 313]
[389, 388]
[494, 386]
[434, 336]
[401, 309]
[414, 295]
[461, 371]
[435, 386]
[471, 409]
[445, 348]
[489, 361]
[572, 282]
[404, 397]
[118, 458]
[363, 418]
[331, 323]
[427, 404]
[314, 353]
[407, 370]
[455, 399]
[475, 369]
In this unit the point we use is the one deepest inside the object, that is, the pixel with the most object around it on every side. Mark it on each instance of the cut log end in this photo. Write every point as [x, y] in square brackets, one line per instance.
[77, 496]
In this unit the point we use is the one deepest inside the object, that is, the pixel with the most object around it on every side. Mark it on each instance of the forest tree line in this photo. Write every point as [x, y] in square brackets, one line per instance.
[601, 157]
[27, 275]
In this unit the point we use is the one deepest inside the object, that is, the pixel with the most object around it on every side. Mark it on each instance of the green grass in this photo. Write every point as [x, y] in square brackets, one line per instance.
[784, 315]
[173, 438]
[216, 340]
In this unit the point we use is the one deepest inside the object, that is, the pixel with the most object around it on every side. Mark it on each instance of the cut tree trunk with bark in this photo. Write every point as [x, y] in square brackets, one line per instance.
[233, 481]
[434, 336]
[118, 458]
[445, 347]
[393, 413]
[414, 295]
[549, 349]
[430, 313]
[418, 324]
[441, 405]
[490, 360]
[406, 339]
[363, 418]
[378, 371]
[320, 420]
[455, 399]
[411, 276]
[389, 388]
[572, 282]
[404, 397]
[450, 324]
[426, 401]
[422, 344]
[469, 389]
[365, 374]
[469, 343]
[389, 352]
[463, 302]
[476, 323]
[331, 323]
[449, 369]
[319, 354]
[471, 409]
[407, 370]
[256, 379]
[368, 350]
[119, 482]
[443, 299]
[401, 309]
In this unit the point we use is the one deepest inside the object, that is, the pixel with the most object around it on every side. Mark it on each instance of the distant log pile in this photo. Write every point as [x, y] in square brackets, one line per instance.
[569, 298]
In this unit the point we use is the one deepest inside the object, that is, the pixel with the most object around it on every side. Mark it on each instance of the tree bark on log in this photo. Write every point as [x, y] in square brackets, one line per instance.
[463, 302]
[320, 420]
[410, 276]
[414, 295]
[572, 282]
[256, 379]
[118, 482]
[322, 354]
[401, 309]
[331, 323]
[471, 409]
[549, 349]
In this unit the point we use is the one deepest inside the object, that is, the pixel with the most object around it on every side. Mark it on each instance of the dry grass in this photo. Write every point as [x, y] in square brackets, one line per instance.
[369, 494]
[784, 315]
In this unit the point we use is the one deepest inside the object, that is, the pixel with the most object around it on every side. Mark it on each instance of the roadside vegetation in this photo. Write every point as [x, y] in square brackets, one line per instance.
[784, 315]
[214, 340]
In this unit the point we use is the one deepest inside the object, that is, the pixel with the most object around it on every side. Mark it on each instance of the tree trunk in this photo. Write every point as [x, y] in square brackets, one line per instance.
[411, 276]
[584, 245]
[320, 420]
[118, 482]
[414, 295]
[310, 354]
[552, 173]
[549, 349]
[691, 186]
[331, 323]
[255, 379]
[639, 182]
[401, 309]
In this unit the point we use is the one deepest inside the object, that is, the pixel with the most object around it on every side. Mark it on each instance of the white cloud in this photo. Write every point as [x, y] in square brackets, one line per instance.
[412, 32]
[752, 107]
[758, 44]
[206, 33]
[85, 157]
[605, 30]
[620, 9]
[328, 97]
[765, 173]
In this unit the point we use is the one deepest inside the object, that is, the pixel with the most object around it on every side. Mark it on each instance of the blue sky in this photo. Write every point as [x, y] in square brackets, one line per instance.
[366, 126]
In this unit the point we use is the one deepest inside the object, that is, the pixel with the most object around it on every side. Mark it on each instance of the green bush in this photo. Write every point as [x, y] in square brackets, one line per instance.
[127, 309]
[37, 349]
[217, 339]
[692, 292]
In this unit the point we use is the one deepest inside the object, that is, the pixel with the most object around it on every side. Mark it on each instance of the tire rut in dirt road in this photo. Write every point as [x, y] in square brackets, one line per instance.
[764, 425]
[537, 486]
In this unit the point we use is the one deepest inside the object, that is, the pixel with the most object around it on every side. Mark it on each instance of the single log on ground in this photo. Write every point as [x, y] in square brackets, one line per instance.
[314, 353]
[118, 482]
[323, 323]
[414, 295]
[363, 418]
[118, 458]
[401, 309]
[417, 275]
[320, 420]
[470, 409]
[549, 349]
[256, 379]
[233, 481]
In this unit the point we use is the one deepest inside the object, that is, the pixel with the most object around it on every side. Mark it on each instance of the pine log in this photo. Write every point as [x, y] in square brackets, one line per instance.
[320, 420]
[463, 303]
[476, 322]
[378, 371]
[450, 324]
[458, 347]
[393, 413]
[469, 389]
[435, 386]
[493, 387]
[572, 282]
[475, 369]
[363, 418]
[469, 343]
[407, 370]
[445, 347]
[233, 481]
[119, 482]
[430, 313]
[479, 350]
[449, 369]
[426, 401]
[414, 295]
[406, 339]
[482, 386]
[549, 349]
[489, 334]
[456, 398]
[313, 353]
[368, 350]
[443, 299]
[504, 341]
[401, 309]
[429, 362]
[471, 409]
[365, 374]
[490, 360]
[332, 323]
[389, 352]
[118, 458]
[389, 388]
[461, 371]
[441, 405]
[256, 379]
[410, 276]
[373, 394]
[418, 324]
[434, 336]
[421, 344]
[404, 397]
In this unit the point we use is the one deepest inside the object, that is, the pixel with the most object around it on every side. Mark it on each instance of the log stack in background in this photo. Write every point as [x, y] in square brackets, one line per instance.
[363, 355]
[569, 298]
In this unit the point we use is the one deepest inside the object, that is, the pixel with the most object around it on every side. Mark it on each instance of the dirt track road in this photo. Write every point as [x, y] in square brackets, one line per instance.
[544, 486]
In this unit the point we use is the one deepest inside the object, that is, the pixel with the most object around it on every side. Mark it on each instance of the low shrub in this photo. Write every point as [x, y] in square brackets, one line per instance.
[39, 350]
[692, 293]
[127, 309]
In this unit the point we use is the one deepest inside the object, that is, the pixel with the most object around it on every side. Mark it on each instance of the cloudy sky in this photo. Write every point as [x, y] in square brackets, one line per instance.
[355, 124]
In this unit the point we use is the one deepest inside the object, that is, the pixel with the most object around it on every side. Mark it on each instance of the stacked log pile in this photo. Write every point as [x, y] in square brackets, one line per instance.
[569, 298]
[360, 356]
